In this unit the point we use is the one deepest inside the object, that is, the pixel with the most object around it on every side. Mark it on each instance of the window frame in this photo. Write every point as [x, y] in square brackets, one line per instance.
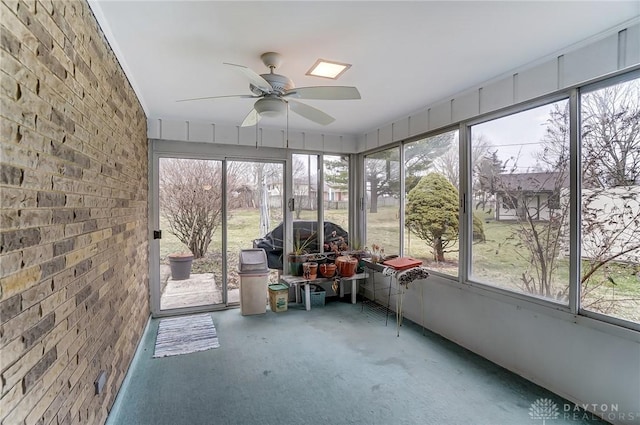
[468, 166]
[572, 96]
[576, 173]
[363, 204]
[289, 194]
[461, 228]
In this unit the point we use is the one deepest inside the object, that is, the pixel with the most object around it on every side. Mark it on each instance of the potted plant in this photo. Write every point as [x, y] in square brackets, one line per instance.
[299, 253]
[327, 269]
[376, 253]
[180, 262]
[310, 270]
[346, 265]
[359, 253]
[377, 257]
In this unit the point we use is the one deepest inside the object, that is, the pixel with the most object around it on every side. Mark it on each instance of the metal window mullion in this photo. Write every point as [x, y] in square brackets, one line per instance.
[357, 203]
[574, 202]
[320, 201]
[288, 212]
[401, 168]
[224, 233]
[465, 167]
[352, 194]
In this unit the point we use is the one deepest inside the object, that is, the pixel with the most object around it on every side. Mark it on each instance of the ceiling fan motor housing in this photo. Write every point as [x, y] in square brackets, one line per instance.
[280, 84]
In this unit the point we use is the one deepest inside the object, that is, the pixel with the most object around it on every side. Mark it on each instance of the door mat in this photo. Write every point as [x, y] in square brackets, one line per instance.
[186, 334]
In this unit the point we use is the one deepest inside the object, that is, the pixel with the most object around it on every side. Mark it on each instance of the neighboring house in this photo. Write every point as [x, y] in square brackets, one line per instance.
[609, 223]
[609, 215]
[524, 195]
[335, 193]
[306, 193]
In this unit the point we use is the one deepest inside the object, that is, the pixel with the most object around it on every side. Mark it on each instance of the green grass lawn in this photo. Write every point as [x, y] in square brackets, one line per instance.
[614, 290]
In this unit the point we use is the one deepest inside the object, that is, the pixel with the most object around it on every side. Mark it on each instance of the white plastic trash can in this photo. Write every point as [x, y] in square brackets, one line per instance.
[254, 280]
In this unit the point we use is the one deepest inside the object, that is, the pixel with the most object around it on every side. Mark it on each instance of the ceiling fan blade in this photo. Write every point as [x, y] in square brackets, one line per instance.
[253, 76]
[243, 96]
[251, 119]
[310, 113]
[324, 93]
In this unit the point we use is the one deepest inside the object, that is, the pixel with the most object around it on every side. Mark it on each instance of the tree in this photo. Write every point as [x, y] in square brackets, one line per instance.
[191, 201]
[382, 169]
[488, 167]
[190, 196]
[478, 229]
[610, 203]
[382, 174]
[432, 212]
[611, 188]
[448, 164]
[304, 183]
[543, 239]
[611, 136]
[269, 177]
[337, 171]
[542, 204]
[421, 157]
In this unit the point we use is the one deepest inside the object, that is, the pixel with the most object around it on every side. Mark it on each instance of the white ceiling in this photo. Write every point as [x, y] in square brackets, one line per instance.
[405, 55]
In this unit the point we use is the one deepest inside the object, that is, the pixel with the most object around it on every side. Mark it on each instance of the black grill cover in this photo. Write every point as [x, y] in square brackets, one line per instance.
[272, 241]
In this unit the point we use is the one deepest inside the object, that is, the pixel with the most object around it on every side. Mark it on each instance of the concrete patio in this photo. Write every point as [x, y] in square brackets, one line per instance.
[200, 289]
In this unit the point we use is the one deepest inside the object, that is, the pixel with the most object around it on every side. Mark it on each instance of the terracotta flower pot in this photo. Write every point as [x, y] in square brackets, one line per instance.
[328, 269]
[346, 266]
[310, 270]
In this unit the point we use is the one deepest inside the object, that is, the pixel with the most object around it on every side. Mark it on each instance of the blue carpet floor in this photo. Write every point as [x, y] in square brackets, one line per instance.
[331, 365]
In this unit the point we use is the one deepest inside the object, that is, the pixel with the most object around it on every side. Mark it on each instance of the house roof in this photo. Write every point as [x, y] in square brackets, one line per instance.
[531, 182]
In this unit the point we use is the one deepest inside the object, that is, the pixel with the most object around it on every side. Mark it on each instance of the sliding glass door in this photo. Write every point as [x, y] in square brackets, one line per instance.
[205, 211]
[189, 193]
[254, 208]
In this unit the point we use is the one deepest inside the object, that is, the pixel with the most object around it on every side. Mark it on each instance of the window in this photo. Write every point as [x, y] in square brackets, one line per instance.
[554, 201]
[336, 190]
[516, 162]
[610, 198]
[305, 187]
[432, 201]
[382, 180]
[509, 202]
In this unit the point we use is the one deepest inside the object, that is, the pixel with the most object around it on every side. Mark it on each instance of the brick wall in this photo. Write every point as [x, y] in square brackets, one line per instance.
[73, 215]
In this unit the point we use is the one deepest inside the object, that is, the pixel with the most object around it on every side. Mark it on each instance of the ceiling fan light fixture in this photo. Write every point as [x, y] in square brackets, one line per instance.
[328, 69]
[270, 106]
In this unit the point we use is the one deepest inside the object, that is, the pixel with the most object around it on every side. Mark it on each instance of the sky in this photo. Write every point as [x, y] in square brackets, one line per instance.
[516, 136]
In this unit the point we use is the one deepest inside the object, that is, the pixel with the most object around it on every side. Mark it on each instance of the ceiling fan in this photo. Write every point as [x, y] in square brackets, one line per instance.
[275, 92]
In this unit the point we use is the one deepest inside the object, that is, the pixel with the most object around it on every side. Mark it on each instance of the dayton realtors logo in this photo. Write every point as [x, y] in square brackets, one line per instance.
[543, 409]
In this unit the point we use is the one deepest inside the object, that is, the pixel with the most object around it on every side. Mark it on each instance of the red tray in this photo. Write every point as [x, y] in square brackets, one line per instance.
[403, 263]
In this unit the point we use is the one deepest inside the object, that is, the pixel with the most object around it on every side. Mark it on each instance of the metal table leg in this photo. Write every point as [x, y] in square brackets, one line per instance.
[307, 295]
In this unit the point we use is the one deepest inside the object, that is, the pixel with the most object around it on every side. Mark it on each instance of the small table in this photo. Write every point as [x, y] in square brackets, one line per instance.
[403, 278]
[299, 280]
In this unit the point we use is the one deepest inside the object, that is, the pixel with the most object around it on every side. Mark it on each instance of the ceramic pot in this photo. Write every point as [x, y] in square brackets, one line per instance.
[310, 270]
[180, 264]
[295, 264]
[328, 269]
[346, 266]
